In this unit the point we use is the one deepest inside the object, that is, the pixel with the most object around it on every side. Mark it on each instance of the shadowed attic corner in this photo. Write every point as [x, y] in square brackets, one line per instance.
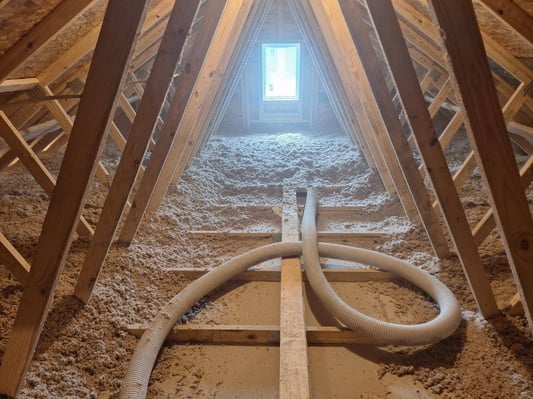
[127, 114]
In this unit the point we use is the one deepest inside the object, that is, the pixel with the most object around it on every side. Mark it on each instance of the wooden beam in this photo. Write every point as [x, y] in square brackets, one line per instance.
[3, 3]
[515, 16]
[210, 75]
[12, 85]
[487, 222]
[293, 364]
[332, 275]
[349, 66]
[471, 75]
[162, 74]
[65, 121]
[340, 235]
[13, 260]
[48, 27]
[397, 55]
[78, 51]
[34, 165]
[167, 135]
[211, 120]
[120, 29]
[345, 102]
[372, 70]
[255, 335]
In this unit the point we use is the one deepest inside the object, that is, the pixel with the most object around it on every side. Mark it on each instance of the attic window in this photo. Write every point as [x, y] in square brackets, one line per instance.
[281, 71]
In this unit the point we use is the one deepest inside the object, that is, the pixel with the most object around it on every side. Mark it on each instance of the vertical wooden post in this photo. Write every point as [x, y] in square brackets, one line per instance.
[404, 75]
[470, 72]
[120, 29]
[156, 89]
[372, 70]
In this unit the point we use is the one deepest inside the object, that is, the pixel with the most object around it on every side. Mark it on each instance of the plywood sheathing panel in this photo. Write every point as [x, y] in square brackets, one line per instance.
[66, 38]
[19, 17]
[502, 33]
[512, 42]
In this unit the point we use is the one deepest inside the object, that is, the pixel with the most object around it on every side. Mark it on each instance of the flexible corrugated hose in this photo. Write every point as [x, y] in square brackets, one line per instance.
[135, 383]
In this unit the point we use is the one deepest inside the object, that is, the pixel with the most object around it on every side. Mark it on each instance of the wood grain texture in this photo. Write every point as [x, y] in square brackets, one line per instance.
[146, 118]
[119, 31]
[186, 82]
[293, 363]
[488, 136]
[402, 151]
[420, 120]
[40, 34]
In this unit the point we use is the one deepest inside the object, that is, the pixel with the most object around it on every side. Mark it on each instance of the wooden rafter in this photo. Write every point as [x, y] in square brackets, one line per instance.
[419, 118]
[13, 260]
[341, 46]
[157, 86]
[514, 15]
[207, 82]
[167, 134]
[122, 22]
[34, 165]
[40, 34]
[400, 147]
[487, 130]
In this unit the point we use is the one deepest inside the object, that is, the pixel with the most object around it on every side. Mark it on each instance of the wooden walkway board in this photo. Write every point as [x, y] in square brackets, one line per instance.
[293, 365]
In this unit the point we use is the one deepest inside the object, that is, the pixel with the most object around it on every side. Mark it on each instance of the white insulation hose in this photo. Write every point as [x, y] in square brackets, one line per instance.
[135, 383]
[397, 334]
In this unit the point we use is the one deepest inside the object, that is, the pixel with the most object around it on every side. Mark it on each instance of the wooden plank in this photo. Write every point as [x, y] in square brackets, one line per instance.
[12, 85]
[487, 131]
[162, 74]
[395, 50]
[521, 130]
[515, 16]
[343, 50]
[266, 234]
[254, 335]
[13, 260]
[351, 117]
[443, 94]
[34, 165]
[167, 134]
[78, 51]
[372, 70]
[293, 363]
[65, 121]
[3, 3]
[120, 28]
[40, 34]
[216, 60]
[332, 275]
[515, 306]
[487, 222]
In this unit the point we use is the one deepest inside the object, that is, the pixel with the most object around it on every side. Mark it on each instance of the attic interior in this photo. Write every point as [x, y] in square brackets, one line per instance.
[167, 168]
